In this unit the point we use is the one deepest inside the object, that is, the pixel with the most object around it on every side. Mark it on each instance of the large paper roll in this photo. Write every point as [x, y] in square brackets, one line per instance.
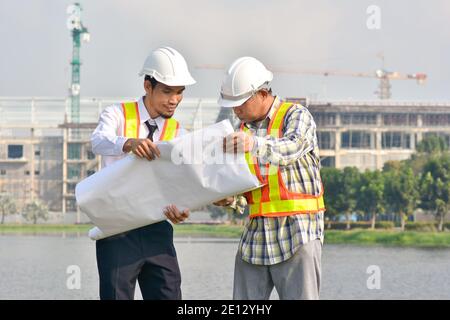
[192, 172]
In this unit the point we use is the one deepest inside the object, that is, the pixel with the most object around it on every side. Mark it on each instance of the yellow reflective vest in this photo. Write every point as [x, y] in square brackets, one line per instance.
[273, 199]
[132, 123]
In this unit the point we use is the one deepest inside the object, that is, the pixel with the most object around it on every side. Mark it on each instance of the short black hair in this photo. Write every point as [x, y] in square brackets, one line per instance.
[153, 81]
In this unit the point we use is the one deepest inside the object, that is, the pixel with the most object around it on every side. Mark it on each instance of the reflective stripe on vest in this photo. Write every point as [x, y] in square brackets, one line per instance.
[132, 123]
[132, 119]
[170, 130]
[273, 199]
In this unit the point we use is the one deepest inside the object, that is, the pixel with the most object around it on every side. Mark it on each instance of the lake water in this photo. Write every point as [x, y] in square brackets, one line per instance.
[36, 267]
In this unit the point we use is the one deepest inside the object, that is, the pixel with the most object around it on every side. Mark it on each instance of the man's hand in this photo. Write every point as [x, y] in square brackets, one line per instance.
[238, 142]
[224, 202]
[173, 214]
[143, 148]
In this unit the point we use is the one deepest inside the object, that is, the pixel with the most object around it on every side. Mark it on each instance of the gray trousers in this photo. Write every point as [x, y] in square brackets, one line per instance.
[297, 278]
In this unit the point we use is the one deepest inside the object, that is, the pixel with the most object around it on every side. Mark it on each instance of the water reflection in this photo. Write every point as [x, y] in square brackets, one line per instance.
[35, 267]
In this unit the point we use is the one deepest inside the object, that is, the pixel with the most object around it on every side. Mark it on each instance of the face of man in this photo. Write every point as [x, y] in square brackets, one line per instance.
[163, 99]
[252, 109]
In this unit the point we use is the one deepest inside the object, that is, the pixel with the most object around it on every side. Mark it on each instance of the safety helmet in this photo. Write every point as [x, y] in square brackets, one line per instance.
[167, 66]
[244, 78]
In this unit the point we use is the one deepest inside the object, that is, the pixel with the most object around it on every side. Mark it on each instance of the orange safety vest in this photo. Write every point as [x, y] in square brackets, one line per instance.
[132, 123]
[273, 199]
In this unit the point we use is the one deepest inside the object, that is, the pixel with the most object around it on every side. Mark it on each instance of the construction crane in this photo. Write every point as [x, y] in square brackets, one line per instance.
[384, 88]
[79, 33]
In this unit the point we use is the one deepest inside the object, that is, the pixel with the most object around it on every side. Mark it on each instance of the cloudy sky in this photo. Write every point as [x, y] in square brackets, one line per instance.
[414, 37]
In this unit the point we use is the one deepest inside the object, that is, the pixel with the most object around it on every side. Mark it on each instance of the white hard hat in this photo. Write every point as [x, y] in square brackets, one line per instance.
[243, 79]
[167, 66]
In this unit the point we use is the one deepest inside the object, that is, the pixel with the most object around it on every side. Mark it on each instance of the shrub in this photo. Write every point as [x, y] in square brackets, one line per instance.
[384, 225]
[334, 225]
[338, 225]
[342, 225]
[421, 226]
[360, 225]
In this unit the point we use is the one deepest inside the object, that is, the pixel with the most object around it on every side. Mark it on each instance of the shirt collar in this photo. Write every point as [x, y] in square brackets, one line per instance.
[144, 115]
[274, 107]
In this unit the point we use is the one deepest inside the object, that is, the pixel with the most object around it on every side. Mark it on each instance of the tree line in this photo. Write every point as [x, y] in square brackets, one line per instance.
[401, 187]
[32, 211]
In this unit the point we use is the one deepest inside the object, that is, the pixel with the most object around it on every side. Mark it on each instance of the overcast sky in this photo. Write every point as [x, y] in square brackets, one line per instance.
[315, 35]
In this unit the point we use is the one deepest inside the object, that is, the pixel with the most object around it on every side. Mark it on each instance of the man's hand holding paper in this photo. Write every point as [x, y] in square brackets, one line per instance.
[192, 171]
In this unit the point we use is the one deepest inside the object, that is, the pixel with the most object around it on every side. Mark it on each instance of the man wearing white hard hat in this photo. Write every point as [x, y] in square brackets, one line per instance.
[282, 241]
[145, 254]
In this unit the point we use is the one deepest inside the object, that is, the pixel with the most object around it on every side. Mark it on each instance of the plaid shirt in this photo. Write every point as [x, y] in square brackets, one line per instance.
[271, 240]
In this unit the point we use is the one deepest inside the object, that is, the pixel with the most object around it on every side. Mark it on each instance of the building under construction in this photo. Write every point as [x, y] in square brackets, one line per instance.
[366, 134]
[42, 156]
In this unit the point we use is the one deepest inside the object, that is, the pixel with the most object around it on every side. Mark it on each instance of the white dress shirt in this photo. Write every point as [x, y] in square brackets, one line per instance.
[108, 138]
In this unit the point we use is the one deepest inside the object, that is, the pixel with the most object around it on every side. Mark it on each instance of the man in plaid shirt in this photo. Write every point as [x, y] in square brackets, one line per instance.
[281, 245]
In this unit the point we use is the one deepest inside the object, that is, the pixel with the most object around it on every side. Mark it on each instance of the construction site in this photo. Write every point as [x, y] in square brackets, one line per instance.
[45, 145]
[42, 156]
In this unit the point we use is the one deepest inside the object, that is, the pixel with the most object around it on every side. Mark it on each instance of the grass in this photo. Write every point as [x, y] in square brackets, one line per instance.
[355, 237]
[197, 230]
[388, 238]
[43, 228]
[214, 231]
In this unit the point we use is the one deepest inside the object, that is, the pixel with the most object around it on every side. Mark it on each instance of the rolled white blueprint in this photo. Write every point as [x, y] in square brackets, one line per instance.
[192, 172]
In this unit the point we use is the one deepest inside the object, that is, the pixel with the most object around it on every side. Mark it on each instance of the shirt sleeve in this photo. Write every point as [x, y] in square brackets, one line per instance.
[299, 131]
[105, 139]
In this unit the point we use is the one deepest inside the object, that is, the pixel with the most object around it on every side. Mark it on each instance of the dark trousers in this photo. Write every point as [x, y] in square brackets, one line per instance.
[147, 255]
